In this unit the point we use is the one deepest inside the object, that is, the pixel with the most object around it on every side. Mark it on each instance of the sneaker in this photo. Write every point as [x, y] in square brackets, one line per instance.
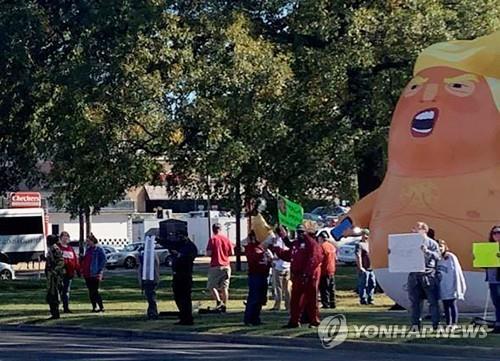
[67, 311]
[184, 323]
[291, 325]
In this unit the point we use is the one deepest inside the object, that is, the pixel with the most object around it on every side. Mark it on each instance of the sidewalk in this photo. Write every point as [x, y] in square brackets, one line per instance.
[312, 343]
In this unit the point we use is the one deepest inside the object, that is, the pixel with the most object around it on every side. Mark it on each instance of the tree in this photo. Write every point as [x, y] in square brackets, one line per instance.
[93, 98]
[23, 88]
[350, 61]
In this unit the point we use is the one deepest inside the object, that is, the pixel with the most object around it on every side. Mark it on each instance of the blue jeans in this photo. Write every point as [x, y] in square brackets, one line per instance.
[420, 286]
[366, 286]
[257, 288]
[495, 298]
[66, 288]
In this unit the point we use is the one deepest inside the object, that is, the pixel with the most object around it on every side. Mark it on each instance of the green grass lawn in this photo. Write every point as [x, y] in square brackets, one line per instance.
[23, 302]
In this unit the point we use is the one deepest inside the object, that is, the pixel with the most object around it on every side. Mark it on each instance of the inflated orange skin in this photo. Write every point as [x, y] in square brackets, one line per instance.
[449, 178]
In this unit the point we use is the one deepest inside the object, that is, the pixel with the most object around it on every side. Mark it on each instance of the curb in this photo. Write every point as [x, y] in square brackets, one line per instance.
[313, 343]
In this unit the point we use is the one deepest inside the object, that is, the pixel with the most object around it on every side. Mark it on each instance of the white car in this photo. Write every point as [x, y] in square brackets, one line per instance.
[6, 272]
[347, 250]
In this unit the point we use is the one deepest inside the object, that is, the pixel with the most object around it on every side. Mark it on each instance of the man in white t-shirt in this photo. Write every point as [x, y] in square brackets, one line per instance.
[281, 275]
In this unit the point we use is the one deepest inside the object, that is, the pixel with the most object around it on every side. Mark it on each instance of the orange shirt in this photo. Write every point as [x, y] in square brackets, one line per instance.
[329, 259]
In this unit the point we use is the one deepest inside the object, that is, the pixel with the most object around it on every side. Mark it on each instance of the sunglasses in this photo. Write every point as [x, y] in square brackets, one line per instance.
[496, 232]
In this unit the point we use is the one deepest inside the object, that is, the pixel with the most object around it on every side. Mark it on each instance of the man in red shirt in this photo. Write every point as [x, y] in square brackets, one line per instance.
[305, 256]
[327, 280]
[219, 248]
[71, 266]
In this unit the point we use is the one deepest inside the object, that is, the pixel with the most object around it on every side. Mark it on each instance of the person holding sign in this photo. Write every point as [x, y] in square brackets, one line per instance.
[149, 275]
[493, 279]
[451, 283]
[425, 284]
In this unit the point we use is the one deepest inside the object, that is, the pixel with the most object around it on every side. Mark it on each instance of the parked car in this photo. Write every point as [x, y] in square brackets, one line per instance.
[76, 247]
[128, 257]
[325, 213]
[6, 272]
[347, 248]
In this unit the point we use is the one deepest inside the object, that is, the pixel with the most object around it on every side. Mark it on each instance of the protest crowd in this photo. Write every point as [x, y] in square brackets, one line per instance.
[301, 270]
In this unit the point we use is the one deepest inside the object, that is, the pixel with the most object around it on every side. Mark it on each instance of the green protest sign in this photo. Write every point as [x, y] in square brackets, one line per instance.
[486, 255]
[290, 214]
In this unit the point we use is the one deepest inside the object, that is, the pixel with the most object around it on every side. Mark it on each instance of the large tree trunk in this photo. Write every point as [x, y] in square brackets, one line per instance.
[88, 222]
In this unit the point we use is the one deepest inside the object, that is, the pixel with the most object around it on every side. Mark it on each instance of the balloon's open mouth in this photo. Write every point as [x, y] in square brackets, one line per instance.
[423, 122]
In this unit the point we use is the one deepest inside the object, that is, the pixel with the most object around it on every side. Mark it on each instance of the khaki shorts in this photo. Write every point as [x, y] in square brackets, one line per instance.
[218, 277]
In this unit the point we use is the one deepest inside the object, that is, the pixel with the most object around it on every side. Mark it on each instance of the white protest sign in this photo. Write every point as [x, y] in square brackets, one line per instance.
[148, 260]
[405, 253]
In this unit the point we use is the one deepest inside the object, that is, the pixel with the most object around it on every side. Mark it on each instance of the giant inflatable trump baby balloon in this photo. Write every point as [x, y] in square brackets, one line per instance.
[444, 160]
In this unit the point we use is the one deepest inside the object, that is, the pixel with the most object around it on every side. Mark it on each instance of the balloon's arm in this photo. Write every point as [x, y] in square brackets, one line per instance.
[361, 212]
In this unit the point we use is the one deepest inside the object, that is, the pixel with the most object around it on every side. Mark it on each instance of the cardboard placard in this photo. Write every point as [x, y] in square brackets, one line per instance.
[405, 253]
[486, 255]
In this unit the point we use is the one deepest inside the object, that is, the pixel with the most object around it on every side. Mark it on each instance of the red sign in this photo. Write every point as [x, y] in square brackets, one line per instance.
[25, 200]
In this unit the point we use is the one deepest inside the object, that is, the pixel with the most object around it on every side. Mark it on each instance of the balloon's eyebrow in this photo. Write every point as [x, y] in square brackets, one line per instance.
[461, 78]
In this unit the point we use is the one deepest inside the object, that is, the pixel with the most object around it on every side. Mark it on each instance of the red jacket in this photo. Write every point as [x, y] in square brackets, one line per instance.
[258, 262]
[305, 257]
[71, 263]
[329, 259]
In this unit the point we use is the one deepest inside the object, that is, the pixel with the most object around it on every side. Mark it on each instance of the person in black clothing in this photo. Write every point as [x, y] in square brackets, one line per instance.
[182, 267]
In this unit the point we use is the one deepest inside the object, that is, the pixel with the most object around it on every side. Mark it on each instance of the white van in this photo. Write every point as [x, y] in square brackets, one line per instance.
[22, 234]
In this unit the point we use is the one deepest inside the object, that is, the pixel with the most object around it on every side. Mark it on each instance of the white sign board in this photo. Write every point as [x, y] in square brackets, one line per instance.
[148, 260]
[405, 253]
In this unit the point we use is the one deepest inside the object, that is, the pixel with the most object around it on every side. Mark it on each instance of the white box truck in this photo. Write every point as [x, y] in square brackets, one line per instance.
[22, 234]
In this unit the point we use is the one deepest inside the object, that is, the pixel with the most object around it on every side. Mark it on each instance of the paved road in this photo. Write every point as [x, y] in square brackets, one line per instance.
[27, 346]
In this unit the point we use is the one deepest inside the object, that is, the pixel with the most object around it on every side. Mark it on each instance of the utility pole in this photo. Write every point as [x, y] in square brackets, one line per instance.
[81, 219]
[208, 207]
[238, 224]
